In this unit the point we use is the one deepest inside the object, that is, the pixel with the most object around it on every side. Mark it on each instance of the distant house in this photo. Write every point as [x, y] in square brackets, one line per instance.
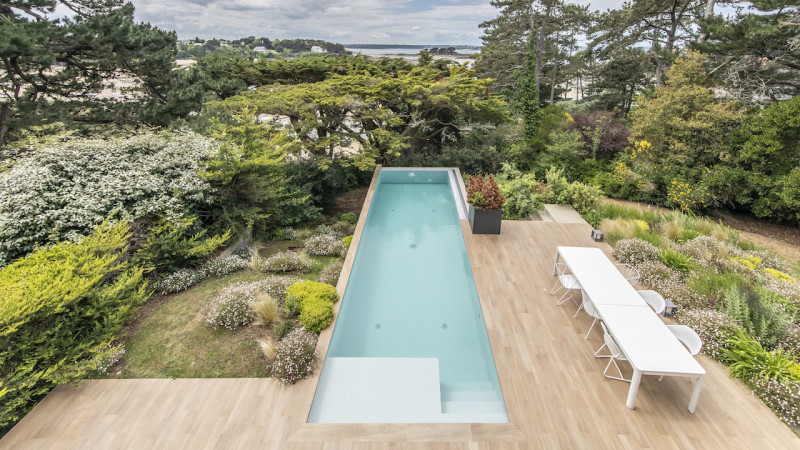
[260, 49]
[317, 49]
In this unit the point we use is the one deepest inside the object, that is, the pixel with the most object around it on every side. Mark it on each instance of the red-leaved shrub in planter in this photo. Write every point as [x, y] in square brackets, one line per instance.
[484, 193]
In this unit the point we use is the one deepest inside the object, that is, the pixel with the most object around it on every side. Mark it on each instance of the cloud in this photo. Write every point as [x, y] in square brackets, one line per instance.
[345, 21]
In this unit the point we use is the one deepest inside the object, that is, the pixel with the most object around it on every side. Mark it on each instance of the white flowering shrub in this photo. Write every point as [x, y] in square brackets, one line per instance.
[230, 308]
[295, 355]
[782, 397]
[328, 230]
[179, 280]
[288, 261]
[635, 251]
[108, 356]
[324, 245]
[223, 265]
[62, 191]
[331, 273]
[274, 285]
[714, 328]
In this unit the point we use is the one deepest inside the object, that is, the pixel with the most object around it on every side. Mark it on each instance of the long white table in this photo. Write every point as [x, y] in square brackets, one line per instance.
[647, 343]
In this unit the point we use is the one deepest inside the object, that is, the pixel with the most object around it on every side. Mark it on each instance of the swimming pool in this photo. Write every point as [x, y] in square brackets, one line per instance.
[410, 342]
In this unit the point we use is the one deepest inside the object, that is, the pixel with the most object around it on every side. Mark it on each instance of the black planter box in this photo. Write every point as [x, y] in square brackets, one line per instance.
[485, 221]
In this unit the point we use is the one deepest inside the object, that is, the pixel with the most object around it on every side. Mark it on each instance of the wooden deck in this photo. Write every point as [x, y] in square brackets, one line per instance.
[554, 389]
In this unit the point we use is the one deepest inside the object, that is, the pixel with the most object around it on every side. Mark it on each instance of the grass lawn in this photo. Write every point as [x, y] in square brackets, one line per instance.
[174, 340]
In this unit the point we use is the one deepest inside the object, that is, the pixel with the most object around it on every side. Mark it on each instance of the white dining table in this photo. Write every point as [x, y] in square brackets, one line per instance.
[649, 346]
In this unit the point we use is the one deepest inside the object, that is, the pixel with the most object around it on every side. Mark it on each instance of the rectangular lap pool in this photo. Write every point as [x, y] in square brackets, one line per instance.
[410, 343]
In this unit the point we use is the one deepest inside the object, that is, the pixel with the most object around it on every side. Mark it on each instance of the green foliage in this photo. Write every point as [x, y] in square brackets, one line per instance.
[676, 260]
[54, 68]
[248, 176]
[564, 150]
[316, 314]
[172, 245]
[749, 360]
[584, 198]
[324, 182]
[346, 241]
[348, 217]
[315, 304]
[766, 321]
[61, 307]
[522, 192]
[282, 329]
[529, 94]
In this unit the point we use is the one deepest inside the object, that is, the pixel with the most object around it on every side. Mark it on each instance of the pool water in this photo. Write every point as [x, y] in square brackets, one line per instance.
[411, 294]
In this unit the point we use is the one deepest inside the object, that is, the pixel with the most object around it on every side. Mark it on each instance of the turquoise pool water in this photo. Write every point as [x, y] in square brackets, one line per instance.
[411, 294]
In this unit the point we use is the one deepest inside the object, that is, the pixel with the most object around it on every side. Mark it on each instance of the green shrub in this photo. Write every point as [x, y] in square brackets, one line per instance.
[348, 217]
[768, 322]
[59, 311]
[306, 290]
[676, 260]
[315, 302]
[750, 360]
[291, 306]
[521, 191]
[176, 243]
[347, 240]
[316, 314]
[282, 329]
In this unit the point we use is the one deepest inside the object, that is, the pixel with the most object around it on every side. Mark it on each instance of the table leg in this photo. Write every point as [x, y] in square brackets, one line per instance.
[695, 394]
[634, 389]
[555, 266]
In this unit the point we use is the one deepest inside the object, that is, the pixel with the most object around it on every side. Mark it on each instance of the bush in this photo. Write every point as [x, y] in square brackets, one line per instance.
[324, 245]
[315, 304]
[484, 194]
[288, 261]
[224, 265]
[676, 260]
[295, 355]
[714, 328]
[175, 243]
[316, 314]
[766, 321]
[523, 194]
[346, 241]
[635, 251]
[782, 397]
[60, 309]
[291, 306]
[62, 191]
[274, 285]
[618, 229]
[282, 329]
[330, 274]
[349, 217]
[749, 360]
[230, 308]
[179, 280]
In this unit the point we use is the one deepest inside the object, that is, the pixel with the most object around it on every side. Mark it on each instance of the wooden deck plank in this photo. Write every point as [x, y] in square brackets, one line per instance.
[555, 393]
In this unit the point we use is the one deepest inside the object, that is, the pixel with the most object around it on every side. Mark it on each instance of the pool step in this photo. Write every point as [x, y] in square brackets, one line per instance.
[473, 407]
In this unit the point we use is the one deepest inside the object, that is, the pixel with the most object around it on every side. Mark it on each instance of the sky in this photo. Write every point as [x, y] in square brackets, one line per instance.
[343, 21]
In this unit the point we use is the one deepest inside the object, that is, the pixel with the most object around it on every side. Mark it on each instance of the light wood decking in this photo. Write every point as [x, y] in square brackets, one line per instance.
[554, 389]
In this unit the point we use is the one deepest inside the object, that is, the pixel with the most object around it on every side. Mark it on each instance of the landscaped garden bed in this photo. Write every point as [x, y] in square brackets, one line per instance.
[741, 300]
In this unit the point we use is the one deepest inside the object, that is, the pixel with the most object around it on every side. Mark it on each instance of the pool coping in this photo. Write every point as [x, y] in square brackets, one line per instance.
[508, 430]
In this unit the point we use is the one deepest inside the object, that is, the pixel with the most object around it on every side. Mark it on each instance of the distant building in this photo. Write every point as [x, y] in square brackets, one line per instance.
[317, 49]
[260, 49]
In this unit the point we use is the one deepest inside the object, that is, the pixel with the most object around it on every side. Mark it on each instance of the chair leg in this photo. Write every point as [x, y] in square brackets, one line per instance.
[567, 295]
[580, 307]
[621, 377]
[598, 351]
[553, 290]
[590, 329]
[660, 378]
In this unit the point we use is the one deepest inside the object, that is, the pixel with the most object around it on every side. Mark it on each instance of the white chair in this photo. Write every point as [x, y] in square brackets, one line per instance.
[629, 272]
[654, 299]
[615, 354]
[688, 338]
[565, 281]
[588, 306]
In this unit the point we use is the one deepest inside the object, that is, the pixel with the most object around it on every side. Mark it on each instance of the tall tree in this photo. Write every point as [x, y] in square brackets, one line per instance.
[757, 50]
[56, 68]
[664, 25]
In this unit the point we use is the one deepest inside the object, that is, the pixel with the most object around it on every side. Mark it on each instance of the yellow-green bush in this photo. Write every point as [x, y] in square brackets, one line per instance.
[59, 310]
[315, 303]
[316, 314]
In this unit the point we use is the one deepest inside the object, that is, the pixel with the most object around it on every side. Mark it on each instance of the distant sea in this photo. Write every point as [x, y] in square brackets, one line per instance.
[401, 51]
